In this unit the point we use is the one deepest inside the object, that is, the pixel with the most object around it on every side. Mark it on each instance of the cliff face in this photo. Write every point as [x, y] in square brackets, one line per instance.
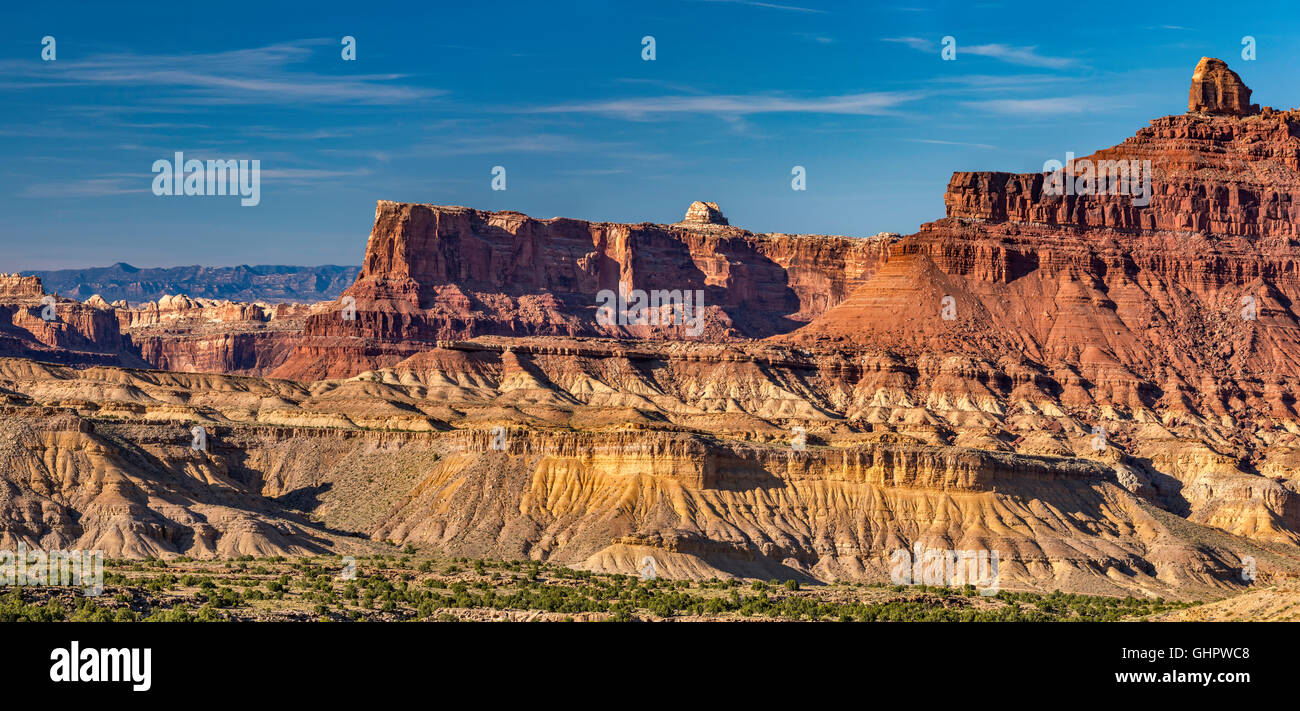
[1211, 175]
[16, 286]
[174, 333]
[1186, 300]
[35, 325]
[1216, 89]
[213, 336]
[239, 353]
[782, 280]
[434, 272]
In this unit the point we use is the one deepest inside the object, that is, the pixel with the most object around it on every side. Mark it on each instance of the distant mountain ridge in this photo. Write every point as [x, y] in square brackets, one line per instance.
[268, 283]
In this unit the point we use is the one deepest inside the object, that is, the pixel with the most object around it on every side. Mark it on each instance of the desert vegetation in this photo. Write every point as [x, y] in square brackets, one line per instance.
[407, 587]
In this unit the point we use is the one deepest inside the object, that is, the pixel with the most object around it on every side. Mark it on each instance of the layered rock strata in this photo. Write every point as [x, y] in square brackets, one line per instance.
[433, 272]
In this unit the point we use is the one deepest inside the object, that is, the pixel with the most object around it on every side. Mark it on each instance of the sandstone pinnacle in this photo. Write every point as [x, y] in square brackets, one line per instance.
[1216, 89]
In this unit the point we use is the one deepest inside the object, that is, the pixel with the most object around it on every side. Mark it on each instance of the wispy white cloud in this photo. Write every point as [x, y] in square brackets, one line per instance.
[1025, 56]
[166, 126]
[318, 134]
[595, 171]
[503, 144]
[311, 174]
[1000, 81]
[1052, 106]
[378, 156]
[813, 37]
[670, 86]
[87, 188]
[918, 43]
[939, 142]
[732, 106]
[112, 184]
[769, 6]
[242, 76]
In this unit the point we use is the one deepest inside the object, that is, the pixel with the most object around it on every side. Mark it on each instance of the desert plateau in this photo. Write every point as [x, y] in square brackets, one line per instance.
[1096, 386]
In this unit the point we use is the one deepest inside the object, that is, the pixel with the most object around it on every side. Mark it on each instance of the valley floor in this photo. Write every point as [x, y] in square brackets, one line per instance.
[404, 586]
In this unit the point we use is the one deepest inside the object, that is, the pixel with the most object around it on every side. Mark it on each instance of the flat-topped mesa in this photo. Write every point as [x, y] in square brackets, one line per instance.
[1218, 90]
[448, 273]
[1225, 168]
[47, 327]
[21, 287]
[703, 213]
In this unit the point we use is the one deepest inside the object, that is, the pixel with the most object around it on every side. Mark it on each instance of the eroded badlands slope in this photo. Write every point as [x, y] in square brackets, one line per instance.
[473, 450]
[67, 485]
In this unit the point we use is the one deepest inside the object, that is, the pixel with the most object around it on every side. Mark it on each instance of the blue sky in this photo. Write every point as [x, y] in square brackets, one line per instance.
[558, 94]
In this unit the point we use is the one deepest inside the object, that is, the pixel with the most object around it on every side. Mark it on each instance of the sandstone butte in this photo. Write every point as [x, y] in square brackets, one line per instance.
[1109, 401]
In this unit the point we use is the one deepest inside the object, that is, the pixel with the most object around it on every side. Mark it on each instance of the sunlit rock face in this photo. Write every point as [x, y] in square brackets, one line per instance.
[1216, 89]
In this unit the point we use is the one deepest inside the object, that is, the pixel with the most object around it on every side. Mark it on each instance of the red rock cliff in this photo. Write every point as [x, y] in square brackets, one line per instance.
[36, 325]
[433, 272]
[1187, 301]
